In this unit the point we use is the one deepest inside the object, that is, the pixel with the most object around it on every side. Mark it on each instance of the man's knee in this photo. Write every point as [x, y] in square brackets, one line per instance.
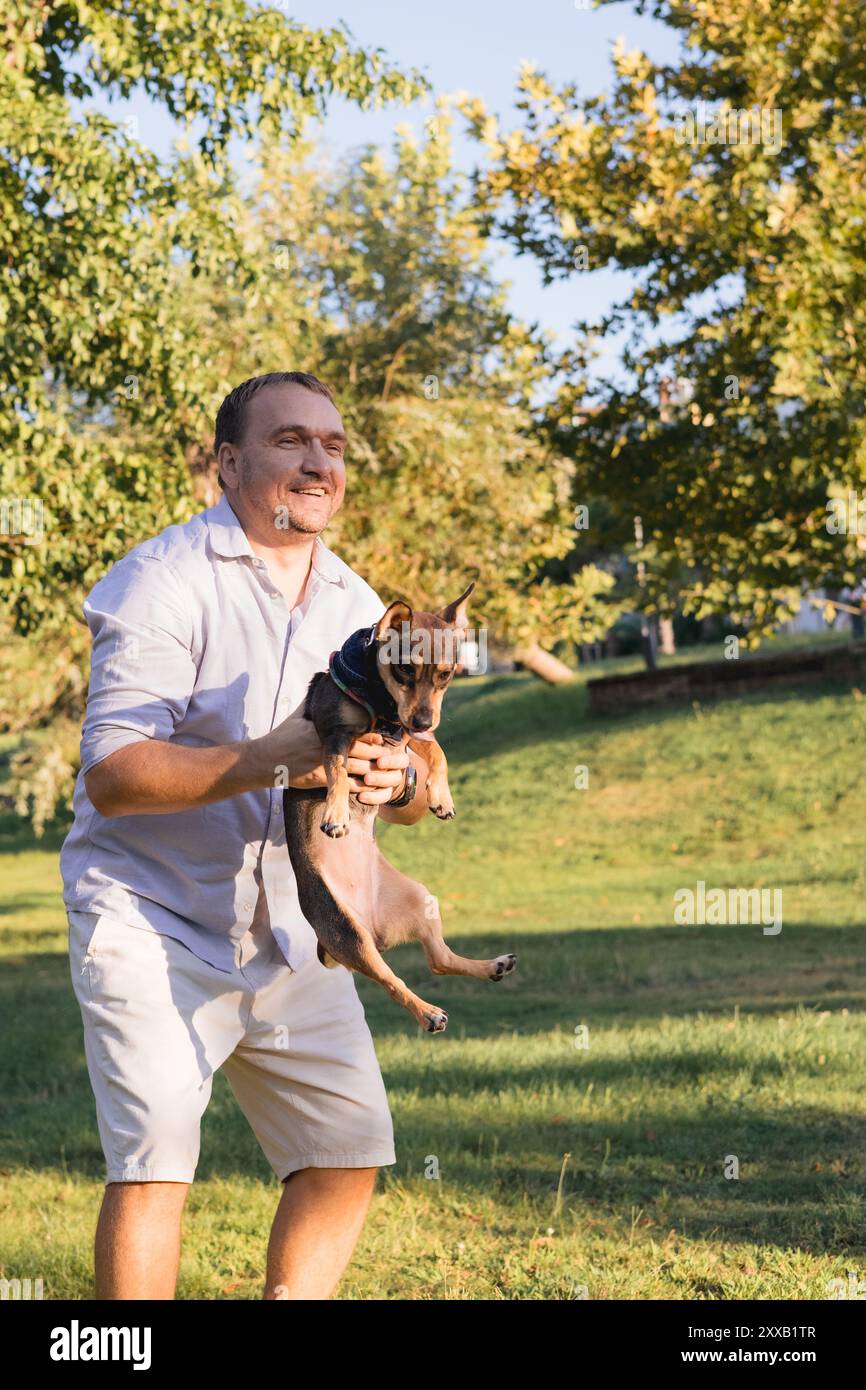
[134, 1196]
[331, 1177]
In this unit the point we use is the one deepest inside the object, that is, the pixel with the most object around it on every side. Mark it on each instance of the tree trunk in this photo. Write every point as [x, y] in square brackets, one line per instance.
[541, 663]
[667, 645]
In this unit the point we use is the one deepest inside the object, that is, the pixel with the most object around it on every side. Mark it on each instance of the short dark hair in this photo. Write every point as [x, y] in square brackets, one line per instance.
[230, 416]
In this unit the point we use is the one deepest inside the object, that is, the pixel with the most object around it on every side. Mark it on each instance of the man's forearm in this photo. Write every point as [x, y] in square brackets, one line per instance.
[152, 777]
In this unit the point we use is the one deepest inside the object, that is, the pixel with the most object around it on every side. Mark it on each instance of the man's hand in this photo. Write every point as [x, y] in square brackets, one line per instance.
[375, 772]
[378, 774]
[384, 775]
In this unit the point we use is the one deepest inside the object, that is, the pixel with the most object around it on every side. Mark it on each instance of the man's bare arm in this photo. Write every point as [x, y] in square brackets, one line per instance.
[152, 776]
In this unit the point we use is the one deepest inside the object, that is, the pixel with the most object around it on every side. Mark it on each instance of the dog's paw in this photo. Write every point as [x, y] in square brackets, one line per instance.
[503, 965]
[439, 799]
[335, 829]
[435, 1021]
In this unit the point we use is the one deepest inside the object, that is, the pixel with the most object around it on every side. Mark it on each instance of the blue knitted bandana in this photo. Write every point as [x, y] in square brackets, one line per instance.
[354, 669]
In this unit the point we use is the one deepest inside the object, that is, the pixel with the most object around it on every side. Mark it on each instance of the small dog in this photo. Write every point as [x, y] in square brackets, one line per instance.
[389, 679]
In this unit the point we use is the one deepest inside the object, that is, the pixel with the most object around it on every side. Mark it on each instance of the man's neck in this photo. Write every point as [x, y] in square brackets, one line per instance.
[289, 562]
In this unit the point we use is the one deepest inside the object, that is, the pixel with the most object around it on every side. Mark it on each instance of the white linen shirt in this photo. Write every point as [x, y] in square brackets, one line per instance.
[194, 644]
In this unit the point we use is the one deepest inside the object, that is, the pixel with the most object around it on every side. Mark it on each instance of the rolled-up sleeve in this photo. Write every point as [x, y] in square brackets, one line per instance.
[142, 670]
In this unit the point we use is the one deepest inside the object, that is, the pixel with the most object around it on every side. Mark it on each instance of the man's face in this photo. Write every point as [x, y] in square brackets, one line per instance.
[288, 470]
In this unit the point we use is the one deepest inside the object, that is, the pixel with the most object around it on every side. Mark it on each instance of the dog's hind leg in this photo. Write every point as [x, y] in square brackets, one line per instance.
[335, 892]
[361, 953]
[405, 911]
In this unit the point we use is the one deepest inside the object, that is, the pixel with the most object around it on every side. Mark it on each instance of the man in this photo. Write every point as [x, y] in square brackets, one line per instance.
[188, 948]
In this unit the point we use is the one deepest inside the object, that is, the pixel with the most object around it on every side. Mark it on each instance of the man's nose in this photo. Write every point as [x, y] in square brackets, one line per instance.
[317, 463]
[315, 456]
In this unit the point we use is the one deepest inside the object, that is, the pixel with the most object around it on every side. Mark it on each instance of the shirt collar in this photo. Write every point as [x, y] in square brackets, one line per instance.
[228, 538]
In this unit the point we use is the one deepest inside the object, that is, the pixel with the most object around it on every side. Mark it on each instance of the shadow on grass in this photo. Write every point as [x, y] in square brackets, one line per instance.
[16, 835]
[22, 904]
[675, 1112]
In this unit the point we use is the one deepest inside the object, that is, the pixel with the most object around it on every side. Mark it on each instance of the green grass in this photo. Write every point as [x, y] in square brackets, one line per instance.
[559, 1167]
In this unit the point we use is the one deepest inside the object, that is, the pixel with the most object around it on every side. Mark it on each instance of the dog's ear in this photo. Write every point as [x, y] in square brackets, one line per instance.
[455, 613]
[396, 613]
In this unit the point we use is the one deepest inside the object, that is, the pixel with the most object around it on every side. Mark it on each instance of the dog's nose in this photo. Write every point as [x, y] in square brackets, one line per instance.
[420, 723]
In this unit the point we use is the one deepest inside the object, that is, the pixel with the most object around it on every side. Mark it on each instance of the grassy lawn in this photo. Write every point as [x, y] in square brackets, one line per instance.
[559, 1167]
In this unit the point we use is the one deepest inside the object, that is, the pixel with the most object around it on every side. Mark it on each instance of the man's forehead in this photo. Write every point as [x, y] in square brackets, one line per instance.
[288, 403]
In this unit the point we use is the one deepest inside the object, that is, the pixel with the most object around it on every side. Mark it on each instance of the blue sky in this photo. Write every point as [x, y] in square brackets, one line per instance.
[475, 46]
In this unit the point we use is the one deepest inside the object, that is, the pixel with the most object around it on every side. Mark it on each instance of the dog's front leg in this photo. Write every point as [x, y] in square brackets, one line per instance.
[335, 746]
[438, 791]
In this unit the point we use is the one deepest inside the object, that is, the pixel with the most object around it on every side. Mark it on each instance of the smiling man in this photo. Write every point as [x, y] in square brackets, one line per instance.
[188, 949]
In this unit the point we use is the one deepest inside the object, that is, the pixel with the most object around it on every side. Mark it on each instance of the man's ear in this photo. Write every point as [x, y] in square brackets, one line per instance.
[228, 461]
[455, 613]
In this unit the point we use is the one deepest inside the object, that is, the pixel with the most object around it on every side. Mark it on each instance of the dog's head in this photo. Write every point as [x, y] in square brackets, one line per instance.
[416, 655]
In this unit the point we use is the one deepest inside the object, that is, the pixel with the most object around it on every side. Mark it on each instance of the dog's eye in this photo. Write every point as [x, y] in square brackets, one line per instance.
[404, 674]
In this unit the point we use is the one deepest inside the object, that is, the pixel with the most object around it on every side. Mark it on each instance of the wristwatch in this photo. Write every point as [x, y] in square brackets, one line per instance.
[409, 787]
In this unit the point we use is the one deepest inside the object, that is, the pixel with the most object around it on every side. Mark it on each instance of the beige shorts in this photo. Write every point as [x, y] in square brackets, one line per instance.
[294, 1047]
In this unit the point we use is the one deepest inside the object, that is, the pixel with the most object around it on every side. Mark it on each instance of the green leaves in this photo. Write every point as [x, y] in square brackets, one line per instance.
[105, 392]
[751, 265]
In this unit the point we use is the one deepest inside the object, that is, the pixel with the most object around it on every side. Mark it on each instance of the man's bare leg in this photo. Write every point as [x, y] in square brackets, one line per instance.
[138, 1239]
[315, 1230]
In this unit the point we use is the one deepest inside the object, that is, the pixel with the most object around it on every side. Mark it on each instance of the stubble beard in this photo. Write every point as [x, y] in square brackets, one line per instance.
[284, 516]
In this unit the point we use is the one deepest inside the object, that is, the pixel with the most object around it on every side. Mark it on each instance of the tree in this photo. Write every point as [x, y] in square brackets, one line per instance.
[731, 184]
[94, 230]
[375, 276]
[102, 387]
